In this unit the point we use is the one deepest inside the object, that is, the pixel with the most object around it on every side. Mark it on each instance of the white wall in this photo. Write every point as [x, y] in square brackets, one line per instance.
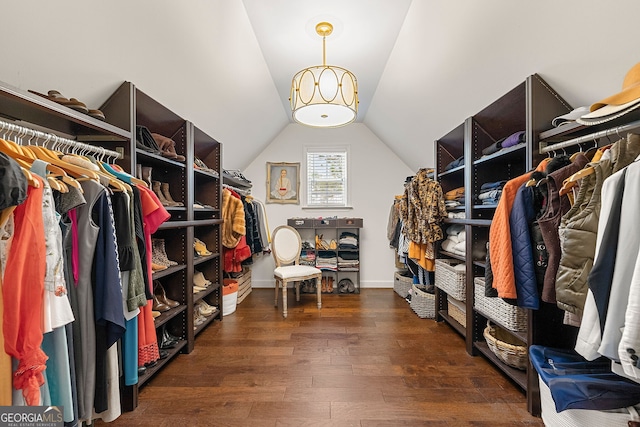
[376, 175]
[199, 58]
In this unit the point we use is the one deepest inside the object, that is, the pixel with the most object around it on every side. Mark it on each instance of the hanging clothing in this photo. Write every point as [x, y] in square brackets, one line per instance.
[422, 209]
[23, 285]
[500, 237]
[154, 214]
[550, 221]
[233, 227]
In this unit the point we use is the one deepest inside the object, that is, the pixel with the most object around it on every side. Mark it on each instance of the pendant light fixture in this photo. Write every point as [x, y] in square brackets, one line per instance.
[324, 96]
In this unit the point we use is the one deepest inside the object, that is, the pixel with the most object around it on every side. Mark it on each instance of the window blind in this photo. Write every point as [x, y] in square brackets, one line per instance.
[326, 178]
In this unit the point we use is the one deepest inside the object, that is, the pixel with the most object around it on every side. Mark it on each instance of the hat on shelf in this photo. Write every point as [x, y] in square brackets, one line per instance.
[570, 116]
[617, 105]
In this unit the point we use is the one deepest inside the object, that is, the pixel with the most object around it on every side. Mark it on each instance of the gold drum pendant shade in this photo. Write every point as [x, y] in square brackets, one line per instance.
[324, 95]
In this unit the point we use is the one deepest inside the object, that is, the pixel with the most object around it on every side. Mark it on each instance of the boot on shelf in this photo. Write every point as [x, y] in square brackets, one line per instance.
[159, 254]
[157, 190]
[164, 186]
[145, 174]
[161, 295]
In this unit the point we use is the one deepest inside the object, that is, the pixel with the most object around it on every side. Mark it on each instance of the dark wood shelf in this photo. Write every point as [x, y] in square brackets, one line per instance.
[522, 336]
[509, 154]
[453, 323]
[478, 207]
[165, 316]
[168, 271]
[519, 377]
[482, 264]
[157, 159]
[209, 290]
[209, 320]
[205, 174]
[149, 373]
[455, 170]
[201, 259]
[453, 255]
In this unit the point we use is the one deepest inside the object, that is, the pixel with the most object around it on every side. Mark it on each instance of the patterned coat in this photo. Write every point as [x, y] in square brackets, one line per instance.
[422, 209]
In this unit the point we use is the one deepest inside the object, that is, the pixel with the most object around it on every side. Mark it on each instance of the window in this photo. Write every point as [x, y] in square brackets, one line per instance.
[327, 177]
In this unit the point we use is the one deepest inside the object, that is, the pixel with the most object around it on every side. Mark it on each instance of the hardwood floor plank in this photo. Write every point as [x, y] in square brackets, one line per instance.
[362, 361]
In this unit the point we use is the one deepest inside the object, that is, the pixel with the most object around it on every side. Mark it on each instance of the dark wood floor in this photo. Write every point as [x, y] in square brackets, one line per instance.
[363, 360]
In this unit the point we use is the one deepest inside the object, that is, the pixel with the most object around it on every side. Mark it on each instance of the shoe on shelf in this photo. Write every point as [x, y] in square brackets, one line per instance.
[157, 189]
[200, 247]
[157, 267]
[155, 313]
[197, 289]
[161, 295]
[159, 306]
[164, 187]
[207, 306]
[159, 253]
[200, 280]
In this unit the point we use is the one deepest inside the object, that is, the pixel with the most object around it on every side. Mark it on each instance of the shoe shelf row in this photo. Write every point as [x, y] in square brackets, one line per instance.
[191, 191]
[528, 107]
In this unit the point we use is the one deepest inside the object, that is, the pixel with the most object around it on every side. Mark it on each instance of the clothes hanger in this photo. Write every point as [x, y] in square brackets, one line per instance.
[50, 156]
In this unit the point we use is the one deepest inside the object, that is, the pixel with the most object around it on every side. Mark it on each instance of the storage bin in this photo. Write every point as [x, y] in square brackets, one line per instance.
[577, 380]
[229, 296]
[510, 316]
[244, 284]
[457, 311]
[450, 279]
[300, 222]
[422, 303]
[325, 222]
[350, 222]
[402, 284]
[510, 350]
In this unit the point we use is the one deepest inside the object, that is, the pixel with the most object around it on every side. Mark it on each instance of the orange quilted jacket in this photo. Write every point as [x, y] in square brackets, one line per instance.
[501, 256]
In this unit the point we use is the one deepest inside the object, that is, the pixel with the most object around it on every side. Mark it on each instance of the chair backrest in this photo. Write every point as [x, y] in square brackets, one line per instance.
[285, 245]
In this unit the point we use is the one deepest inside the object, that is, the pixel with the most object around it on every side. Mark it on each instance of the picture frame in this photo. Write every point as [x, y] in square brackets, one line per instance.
[283, 183]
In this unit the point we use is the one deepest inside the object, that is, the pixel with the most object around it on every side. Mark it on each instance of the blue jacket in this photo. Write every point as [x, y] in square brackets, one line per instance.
[522, 214]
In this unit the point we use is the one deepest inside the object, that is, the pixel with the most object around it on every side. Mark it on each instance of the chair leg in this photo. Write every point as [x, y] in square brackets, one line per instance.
[277, 285]
[297, 285]
[284, 299]
[319, 292]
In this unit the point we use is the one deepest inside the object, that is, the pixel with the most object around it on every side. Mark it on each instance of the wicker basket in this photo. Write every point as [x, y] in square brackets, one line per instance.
[423, 303]
[506, 347]
[457, 311]
[509, 316]
[402, 284]
[449, 279]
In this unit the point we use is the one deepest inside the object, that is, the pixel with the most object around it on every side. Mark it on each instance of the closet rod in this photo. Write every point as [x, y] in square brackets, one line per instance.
[591, 137]
[22, 131]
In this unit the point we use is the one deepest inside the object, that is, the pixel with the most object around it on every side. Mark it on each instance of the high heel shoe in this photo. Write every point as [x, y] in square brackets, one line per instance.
[200, 247]
[164, 186]
[200, 280]
[161, 295]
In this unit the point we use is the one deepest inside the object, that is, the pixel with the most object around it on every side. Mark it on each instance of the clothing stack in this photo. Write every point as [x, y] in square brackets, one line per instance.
[456, 240]
[348, 240]
[454, 198]
[506, 142]
[348, 260]
[490, 192]
[454, 164]
[327, 260]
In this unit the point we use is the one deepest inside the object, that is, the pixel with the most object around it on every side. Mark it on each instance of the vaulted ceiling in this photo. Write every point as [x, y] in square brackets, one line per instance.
[422, 66]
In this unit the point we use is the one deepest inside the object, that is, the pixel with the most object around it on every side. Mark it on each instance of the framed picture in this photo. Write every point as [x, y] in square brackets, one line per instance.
[283, 183]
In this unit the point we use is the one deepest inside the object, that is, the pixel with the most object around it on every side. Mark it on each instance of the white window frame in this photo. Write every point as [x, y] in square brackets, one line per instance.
[311, 149]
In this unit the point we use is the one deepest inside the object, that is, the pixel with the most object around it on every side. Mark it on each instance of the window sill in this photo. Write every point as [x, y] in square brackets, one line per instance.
[332, 208]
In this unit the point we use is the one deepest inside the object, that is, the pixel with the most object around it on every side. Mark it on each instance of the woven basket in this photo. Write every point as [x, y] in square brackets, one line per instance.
[449, 279]
[402, 284]
[506, 347]
[457, 311]
[423, 303]
[509, 316]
